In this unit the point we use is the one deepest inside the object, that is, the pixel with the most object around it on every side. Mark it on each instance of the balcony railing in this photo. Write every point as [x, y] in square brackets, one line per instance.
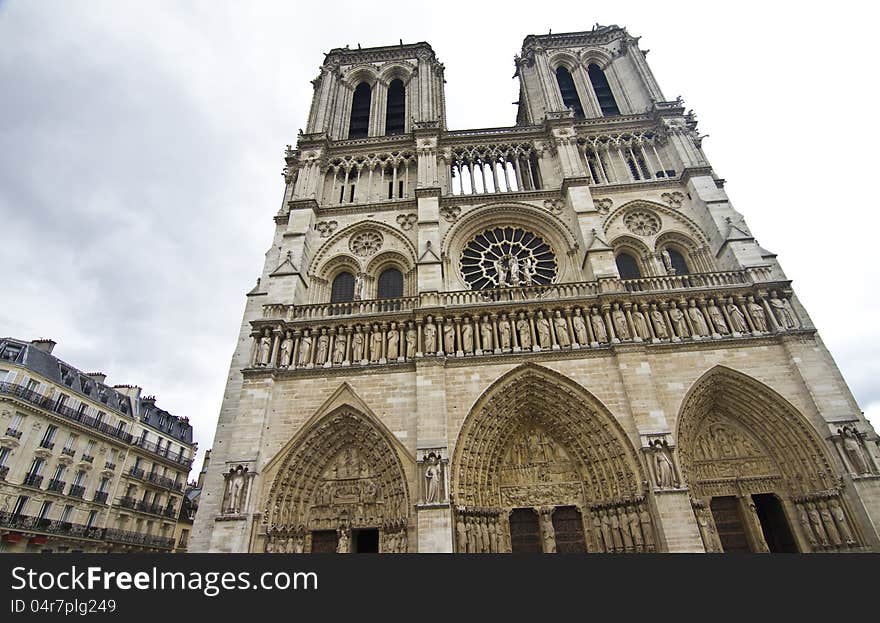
[88, 458]
[153, 448]
[44, 402]
[11, 432]
[56, 485]
[3, 472]
[149, 507]
[76, 491]
[127, 502]
[45, 443]
[109, 465]
[32, 480]
[68, 451]
[100, 497]
[26, 523]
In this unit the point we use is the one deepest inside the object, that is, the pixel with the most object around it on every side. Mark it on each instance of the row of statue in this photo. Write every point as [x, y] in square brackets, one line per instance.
[623, 528]
[512, 272]
[851, 444]
[825, 524]
[614, 323]
[479, 532]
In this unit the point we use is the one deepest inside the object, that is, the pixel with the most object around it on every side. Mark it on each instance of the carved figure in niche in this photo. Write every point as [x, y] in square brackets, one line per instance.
[647, 531]
[679, 324]
[717, 318]
[759, 319]
[376, 344]
[782, 311]
[597, 530]
[659, 322]
[828, 521]
[664, 472]
[235, 487]
[430, 337]
[393, 341]
[448, 336]
[343, 546]
[818, 528]
[737, 319]
[461, 536]
[270, 545]
[484, 534]
[619, 320]
[513, 270]
[467, 336]
[580, 327]
[528, 271]
[855, 452]
[265, 348]
[479, 545]
[614, 520]
[486, 334]
[432, 479]
[339, 348]
[698, 321]
[623, 518]
[560, 325]
[357, 345]
[805, 525]
[842, 523]
[412, 336]
[548, 534]
[542, 328]
[598, 326]
[707, 528]
[358, 287]
[286, 350]
[640, 324]
[323, 345]
[504, 332]
[493, 535]
[667, 262]
[635, 528]
[305, 348]
[501, 273]
[524, 332]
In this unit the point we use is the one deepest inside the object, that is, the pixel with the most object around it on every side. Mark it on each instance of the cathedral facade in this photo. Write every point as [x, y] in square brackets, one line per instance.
[558, 336]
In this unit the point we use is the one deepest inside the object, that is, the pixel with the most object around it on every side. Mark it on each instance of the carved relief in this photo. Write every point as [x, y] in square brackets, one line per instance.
[673, 199]
[603, 205]
[450, 213]
[407, 221]
[326, 228]
[366, 243]
[642, 222]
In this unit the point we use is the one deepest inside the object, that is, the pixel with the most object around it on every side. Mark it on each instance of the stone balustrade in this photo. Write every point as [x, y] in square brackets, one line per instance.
[586, 320]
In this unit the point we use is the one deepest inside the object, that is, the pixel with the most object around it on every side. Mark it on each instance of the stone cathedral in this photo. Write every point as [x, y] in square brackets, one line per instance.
[553, 336]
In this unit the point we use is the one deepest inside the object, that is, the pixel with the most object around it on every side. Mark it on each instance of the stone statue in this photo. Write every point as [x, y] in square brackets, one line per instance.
[339, 348]
[635, 528]
[376, 344]
[432, 479]
[580, 327]
[412, 337]
[842, 523]
[717, 318]
[852, 446]
[461, 536]
[265, 348]
[467, 336]
[430, 337]
[235, 487]
[560, 325]
[606, 531]
[805, 525]
[667, 262]
[818, 528]
[286, 350]
[676, 316]
[619, 320]
[484, 534]
[357, 346]
[548, 534]
[647, 529]
[528, 271]
[828, 521]
[500, 273]
[542, 328]
[664, 472]
[323, 345]
[640, 325]
[513, 270]
[524, 332]
[698, 321]
[659, 322]
[358, 287]
[486, 334]
[707, 528]
[448, 336]
[504, 332]
[305, 348]
[343, 546]
[737, 319]
[493, 536]
[393, 342]
[758, 317]
[783, 313]
[598, 326]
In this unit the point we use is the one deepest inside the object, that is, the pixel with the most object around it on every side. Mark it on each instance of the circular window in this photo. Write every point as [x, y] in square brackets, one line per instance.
[506, 257]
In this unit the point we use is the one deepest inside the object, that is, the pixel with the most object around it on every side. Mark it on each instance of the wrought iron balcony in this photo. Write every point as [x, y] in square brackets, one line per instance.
[45, 443]
[68, 451]
[100, 497]
[32, 480]
[3, 472]
[56, 485]
[148, 507]
[27, 523]
[76, 491]
[127, 502]
[138, 538]
[11, 432]
[137, 472]
[88, 458]
[44, 402]
[109, 465]
[153, 448]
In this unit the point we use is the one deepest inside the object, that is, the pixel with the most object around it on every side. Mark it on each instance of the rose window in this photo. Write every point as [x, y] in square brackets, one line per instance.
[507, 257]
[642, 223]
[365, 243]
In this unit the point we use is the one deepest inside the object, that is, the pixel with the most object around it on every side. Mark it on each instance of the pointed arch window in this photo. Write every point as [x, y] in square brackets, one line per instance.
[342, 289]
[603, 91]
[395, 109]
[678, 262]
[627, 266]
[360, 111]
[390, 284]
[568, 91]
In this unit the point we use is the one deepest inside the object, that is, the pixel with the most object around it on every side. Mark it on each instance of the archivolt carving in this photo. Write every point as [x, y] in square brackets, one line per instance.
[735, 433]
[337, 244]
[671, 220]
[343, 471]
[536, 437]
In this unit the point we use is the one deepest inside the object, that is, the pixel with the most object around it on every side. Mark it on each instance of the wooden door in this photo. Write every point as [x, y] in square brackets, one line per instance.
[524, 531]
[324, 541]
[729, 523]
[569, 528]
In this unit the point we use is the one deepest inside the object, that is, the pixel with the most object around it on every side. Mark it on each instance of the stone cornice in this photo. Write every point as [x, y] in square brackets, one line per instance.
[497, 198]
[387, 205]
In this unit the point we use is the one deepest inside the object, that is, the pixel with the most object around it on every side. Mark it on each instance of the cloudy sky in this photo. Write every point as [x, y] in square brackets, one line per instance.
[141, 143]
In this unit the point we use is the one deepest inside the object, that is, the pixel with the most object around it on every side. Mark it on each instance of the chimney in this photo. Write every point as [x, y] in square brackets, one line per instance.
[44, 344]
[97, 377]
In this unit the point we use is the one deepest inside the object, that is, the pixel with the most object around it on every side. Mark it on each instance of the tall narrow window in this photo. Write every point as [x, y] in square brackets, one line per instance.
[678, 262]
[627, 266]
[395, 110]
[603, 91]
[568, 91]
[360, 111]
[390, 284]
[343, 288]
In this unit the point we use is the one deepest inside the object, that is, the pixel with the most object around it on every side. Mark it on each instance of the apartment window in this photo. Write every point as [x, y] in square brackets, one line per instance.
[20, 506]
[83, 407]
[61, 402]
[49, 435]
[71, 440]
[33, 385]
[37, 467]
[15, 423]
[66, 513]
[102, 486]
[44, 509]
[80, 478]
[100, 417]
[184, 537]
[93, 516]
[59, 473]
[90, 448]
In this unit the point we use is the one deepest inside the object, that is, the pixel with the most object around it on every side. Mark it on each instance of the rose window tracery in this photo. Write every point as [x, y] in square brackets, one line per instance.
[642, 223]
[507, 257]
[365, 243]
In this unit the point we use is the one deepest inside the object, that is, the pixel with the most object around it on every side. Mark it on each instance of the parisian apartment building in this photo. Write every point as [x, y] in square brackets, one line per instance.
[554, 335]
[85, 466]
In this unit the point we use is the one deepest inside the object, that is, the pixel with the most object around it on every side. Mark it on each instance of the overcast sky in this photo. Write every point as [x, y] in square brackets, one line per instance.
[141, 144]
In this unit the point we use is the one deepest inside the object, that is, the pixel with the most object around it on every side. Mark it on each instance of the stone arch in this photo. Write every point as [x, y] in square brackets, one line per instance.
[535, 438]
[671, 221]
[738, 438]
[363, 72]
[322, 280]
[637, 249]
[597, 56]
[390, 259]
[554, 232]
[563, 58]
[344, 468]
[397, 69]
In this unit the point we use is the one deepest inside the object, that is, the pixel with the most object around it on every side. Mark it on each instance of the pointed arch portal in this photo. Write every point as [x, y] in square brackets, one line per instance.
[541, 464]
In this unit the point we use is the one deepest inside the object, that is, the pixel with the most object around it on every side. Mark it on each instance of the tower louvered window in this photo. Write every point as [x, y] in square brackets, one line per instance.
[603, 91]
[395, 110]
[360, 111]
[568, 91]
